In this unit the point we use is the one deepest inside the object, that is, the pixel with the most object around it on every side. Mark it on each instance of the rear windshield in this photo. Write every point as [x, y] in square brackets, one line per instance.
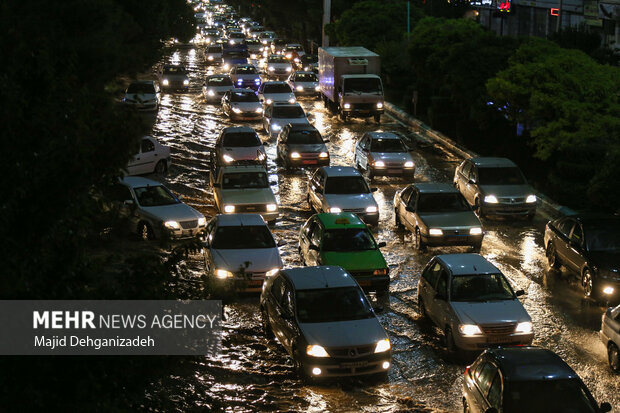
[277, 88]
[288, 112]
[304, 137]
[500, 176]
[241, 140]
[346, 185]
[245, 237]
[220, 81]
[243, 97]
[141, 88]
[332, 304]
[238, 180]
[387, 145]
[442, 203]
[604, 239]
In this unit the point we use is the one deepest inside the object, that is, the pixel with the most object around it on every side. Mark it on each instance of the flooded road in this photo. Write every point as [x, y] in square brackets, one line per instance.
[254, 374]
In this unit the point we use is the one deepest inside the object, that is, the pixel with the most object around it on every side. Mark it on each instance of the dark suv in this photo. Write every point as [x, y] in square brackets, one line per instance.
[525, 379]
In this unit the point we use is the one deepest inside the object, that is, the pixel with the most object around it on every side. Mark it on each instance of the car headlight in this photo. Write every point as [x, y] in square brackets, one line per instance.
[229, 209]
[210, 58]
[172, 225]
[288, 56]
[165, 82]
[264, 41]
[186, 82]
[299, 88]
[324, 155]
[295, 155]
[490, 199]
[608, 290]
[211, 93]
[296, 60]
[524, 328]
[317, 88]
[435, 231]
[271, 68]
[469, 329]
[382, 271]
[272, 272]
[383, 345]
[371, 209]
[475, 231]
[291, 100]
[530, 199]
[347, 106]
[259, 110]
[231, 41]
[275, 127]
[240, 81]
[223, 274]
[288, 69]
[257, 81]
[409, 164]
[261, 156]
[227, 158]
[269, 101]
[335, 210]
[202, 222]
[379, 164]
[271, 207]
[226, 66]
[379, 105]
[316, 351]
[236, 110]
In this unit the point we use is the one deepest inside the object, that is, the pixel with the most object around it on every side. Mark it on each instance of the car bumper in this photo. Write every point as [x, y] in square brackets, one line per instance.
[393, 171]
[475, 343]
[307, 92]
[362, 112]
[308, 161]
[240, 284]
[181, 234]
[462, 240]
[343, 367]
[509, 209]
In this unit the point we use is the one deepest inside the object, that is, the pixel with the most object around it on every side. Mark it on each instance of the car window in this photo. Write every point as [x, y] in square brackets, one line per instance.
[156, 195]
[501, 176]
[465, 169]
[442, 203]
[559, 395]
[387, 145]
[306, 77]
[305, 137]
[241, 140]
[237, 180]
[243, 237]
[309, 229]
[332, 304]
[485, 377]
[431, 273]
[346, 185]
[603, 238]
[277, 288]
[141, 88]
[565, 226]
[288, 112]
[277, 88]
[413, 200]
[348, 239]
[286, 301]
[480, 287]
[147, 146]
[406, 194]
[495, 391]
[220, 81]
[244, 97]
[442, 284]
[577, 234]
[315, 237]
[473, 174]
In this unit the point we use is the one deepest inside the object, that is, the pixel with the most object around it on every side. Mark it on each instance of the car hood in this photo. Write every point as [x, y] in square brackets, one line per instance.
[279, 65]
[313, 148]
[355, 260]
[609, 261]
[261, 260]
[492, 312]
[248, 196]
[451, 219]
[220, 88]
[507, 191]
[246, 106]
[279, 97]
[141, 96]
[343, 333]
[396, 157]
[242, 154]
[294, 121]
[350, 201]
[174, 212]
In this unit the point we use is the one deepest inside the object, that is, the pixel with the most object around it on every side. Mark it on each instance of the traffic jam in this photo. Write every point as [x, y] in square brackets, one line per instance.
[372, 269]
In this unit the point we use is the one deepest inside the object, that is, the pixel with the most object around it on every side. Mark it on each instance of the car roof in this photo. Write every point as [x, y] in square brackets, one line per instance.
[340, 220]
[274, 82]
[320, 277]
[235, 129]
[243, 168]
[301, 126]
[383, 135]
[460, 264]
[220, 75]
[355, 51]
[278, 104]
[531, 363]
[240, 90]
[138, 181]
[434, 187]
[340, 171]
[492, 162]
[593, 219]
[239, 220]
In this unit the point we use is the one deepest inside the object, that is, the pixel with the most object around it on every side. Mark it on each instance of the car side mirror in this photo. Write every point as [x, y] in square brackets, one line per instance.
[265, 143]
[491, 410]
[216, 185]
[471, 182]
[409, 208]
[325, 140]
[381, 244]
[605, 407]
[374, 189]
[128, 202]
[313, 247]
[519, 293]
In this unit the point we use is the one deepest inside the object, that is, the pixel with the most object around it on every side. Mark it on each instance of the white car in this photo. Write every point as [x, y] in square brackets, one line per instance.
[304, 83]
[472, 302]
[242, 104]
[152, 157]
[324, 321]
[245, 76]
[174, 77]
[278, 115]
[155, 212]
[267, 37]
[216, 86]
[238, 144]
[255, 48]
[244, 189]
[143, 95]
[385, 154]
[341, 188]
[213, 54]
[610, 336]
[277, 66]
[270, 92]
[240, 250]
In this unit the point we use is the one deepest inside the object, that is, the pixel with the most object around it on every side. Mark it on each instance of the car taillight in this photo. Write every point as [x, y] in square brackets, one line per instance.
[467, 370]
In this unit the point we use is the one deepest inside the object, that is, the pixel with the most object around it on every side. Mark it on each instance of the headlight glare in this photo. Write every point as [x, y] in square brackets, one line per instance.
[227, 158]
[316, 351]
[379, 105]
[490, 199]
[211, 93]
[475, 231]
[202, 221]
[379, 164]
[236, 110]
[295, 155]
[275, 127]
[299, 88]
[165, 82]
[435, 231]
[259, 110]
[291, 100]
[383, 345]
[347, 106]
[172, 225]
[186, 82]
[335, 210]
[409, 164]
[371, 209]
[530, 199]
[324, 155]
[272, 207]
[223, 274]
[229, 209]
[317, 88]
[469, 329]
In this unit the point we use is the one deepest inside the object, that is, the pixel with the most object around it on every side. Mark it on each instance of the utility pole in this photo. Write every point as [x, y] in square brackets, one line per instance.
[408, 17]
[327, 11]
[559, 22]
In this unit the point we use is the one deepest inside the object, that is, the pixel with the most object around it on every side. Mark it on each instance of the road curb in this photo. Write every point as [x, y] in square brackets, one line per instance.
[420, 128]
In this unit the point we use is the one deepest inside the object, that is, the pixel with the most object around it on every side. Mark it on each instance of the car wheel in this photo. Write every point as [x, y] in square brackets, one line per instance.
[397, 222]
[450, 344]
[145, 232]
[161, 167]
[552, 256]
[419, 244]
[614, 357]
[378, 118]
[265, 323]
[588, 284]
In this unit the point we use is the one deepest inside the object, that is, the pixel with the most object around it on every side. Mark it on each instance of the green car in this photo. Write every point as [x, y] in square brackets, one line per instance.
[343, 239]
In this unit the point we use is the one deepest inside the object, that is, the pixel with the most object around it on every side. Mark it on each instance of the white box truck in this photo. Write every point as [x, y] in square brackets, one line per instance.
[350, 83]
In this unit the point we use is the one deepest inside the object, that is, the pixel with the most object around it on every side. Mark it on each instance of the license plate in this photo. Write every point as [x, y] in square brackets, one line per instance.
[364, 283]
[250, 209]
[393, 171]
[353, 364]
[498, 340]
[255, 282]
[309, 162]
[187, 232]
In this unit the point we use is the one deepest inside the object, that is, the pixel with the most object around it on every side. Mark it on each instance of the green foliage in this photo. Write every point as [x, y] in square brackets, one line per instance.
[570, 104]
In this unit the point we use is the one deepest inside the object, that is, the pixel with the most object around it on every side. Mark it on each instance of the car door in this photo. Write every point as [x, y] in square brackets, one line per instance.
[260, 92]
[439, 309]
[409, 218]
[290, 331]
[304, 238]
[316, 189]
[358, 151]
[471, 185]
[314, 244]
[272, 307]
[401, 203]
[281, 149]
[226, 103]
[428, 282]
[267, 117]
[562, 240]
[144, 161]
[210, 231]
[483, 379]
[575, 248]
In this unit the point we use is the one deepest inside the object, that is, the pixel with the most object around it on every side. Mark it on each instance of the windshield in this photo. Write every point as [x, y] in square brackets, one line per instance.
[548, 396]
[235, 55]
[304, 137]
[239, 180]
[277, 88]
[387, 145]
[294, 48]
[442, 203]
[332, 304]
[245, 237]
[141, 88]
[346, 185]
[288, 112]
[480, 288]
[249, 70]
[236, 35]
[174, 70]
[220, 81]
[363, 85]
[348, 239]
[243, 97]
[306, 77]
[603, 239]
[309, 58]
[241, 139]
[214, 49]
[277, 59]
[500, 176]
[157, 195]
